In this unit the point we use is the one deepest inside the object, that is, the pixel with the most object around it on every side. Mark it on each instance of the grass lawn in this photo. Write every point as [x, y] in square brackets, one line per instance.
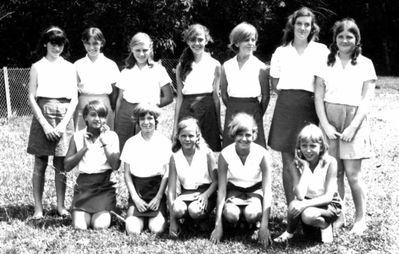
[20, 234]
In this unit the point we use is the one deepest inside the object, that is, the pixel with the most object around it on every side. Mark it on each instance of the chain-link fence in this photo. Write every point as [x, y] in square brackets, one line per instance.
[14, 88]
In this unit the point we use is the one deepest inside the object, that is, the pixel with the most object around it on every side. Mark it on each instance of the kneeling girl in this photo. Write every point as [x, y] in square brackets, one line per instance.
[95, 153]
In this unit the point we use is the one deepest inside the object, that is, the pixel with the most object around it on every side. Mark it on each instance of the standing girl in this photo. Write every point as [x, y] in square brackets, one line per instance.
[95, 153]
[244, 81]
[142, 81]
[53, 98]
[146, 158]
[345, 88]
[244, 180]
[292, 72]
[97, 76]
[198, 76]
[314, 175]
[192, 169]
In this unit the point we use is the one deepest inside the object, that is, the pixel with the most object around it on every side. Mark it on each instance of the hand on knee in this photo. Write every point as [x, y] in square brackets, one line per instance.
[195, 211]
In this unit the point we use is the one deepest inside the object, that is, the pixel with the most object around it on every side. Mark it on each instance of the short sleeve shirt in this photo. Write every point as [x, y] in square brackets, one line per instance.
[56, 79]
[244, 82]
[296, 71]
[344, 85]
[147, 158]
[96, 77]
[196, 174]
[94, 160]
[247, 174]
[143, 85]
[201, 77]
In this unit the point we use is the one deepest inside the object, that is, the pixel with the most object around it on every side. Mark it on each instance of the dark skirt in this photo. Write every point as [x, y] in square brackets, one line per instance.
[202, 108]
[250, 106]
[147, 188]
[94, 193]
[187, 196]
[125, 125]
[242, 196]
[294, 109]
[54, 111]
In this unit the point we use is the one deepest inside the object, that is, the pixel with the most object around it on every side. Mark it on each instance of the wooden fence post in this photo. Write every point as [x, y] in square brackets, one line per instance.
[8, 98]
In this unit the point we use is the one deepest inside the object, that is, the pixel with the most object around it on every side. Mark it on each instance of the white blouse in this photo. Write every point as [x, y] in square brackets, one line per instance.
[296, 71]
[344, 85]
[147, 158]
[244, 82]
[96, 77]
[201, 77]
[94, 160]
[143, 85]
[247, 174]
[56, 79]
[194, 175]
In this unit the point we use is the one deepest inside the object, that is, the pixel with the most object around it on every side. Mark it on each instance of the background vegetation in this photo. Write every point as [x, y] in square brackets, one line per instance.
[23, 20]
[20, 234]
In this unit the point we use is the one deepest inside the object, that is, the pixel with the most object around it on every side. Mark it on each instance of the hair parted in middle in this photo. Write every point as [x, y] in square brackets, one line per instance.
[288, 35]
[95, 33]
[184, 123]
[240, 33]
[313, 133]
[137, 39]
[242, 122]
[350, 25]
[187, 57]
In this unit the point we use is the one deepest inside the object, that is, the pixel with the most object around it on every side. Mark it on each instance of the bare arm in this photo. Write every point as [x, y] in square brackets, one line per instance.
[179, 99]
[73, 156]
[362, 110]
[265, 89]
[51, 133]
[118, 104]
[330, 130]
[266, 168]
[141, 205]
[212, 171]
[217, 233]
[223, 86]
[110, 143]
[215, 94]
[166, 95]
[274, 83]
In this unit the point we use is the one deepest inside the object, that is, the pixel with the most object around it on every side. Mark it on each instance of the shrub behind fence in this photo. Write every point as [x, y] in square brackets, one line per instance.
[14, 89]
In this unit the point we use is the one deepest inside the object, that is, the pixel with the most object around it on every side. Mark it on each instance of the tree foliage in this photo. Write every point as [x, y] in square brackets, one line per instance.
[21, 22]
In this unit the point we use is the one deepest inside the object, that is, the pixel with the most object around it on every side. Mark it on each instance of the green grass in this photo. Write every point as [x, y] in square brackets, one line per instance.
[20, 234]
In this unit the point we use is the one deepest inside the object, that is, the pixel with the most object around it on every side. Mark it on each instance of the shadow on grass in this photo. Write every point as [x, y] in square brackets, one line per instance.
[25, 212]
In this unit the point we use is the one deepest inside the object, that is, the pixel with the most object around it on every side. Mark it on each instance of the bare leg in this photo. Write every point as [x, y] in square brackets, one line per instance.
[353, 170]
[287, 158]
[38, 178]
[60, 184]
[333, 150]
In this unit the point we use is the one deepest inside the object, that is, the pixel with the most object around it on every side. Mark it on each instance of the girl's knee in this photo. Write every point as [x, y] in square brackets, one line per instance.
[195, 211]
[134, 225]
[58, 163]
[231, 213]
[310, 216]
[40, 163]
[101, 220]
[157, 224]
[179, 209]
[80, 220]
[252, 213]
